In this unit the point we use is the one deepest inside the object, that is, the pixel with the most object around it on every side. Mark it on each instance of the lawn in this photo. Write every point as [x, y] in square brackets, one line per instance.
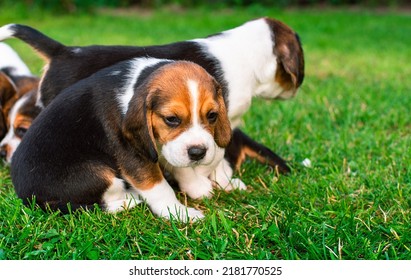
[352, 119]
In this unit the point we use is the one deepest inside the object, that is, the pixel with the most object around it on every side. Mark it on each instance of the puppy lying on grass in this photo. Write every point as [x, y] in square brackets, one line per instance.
[105, 139]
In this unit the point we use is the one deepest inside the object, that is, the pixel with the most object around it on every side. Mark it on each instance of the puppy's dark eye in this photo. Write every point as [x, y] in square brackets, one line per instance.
[172, 121]
[212, 117]
[20, 131]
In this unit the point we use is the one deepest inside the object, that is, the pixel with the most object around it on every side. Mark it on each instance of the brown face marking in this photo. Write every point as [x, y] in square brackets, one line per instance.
[170, 106]
[8, 95]
[290, 70]
[26, 113]
[21, 124]
[175, 106]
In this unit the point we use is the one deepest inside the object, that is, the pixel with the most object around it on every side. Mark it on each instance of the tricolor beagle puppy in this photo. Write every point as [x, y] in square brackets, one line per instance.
[19, 119]
[105, 139]
[261, 58]
[8, 96]
[18, 89]
[10, 65]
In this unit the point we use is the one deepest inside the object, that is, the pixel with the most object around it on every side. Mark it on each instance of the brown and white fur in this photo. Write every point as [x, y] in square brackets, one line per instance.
[19, 120]
[18, 95]
[11, 63]
[105, 140]
[261, 58]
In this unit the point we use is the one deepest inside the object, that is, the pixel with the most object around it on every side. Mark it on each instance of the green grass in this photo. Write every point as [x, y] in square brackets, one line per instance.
[351, 119]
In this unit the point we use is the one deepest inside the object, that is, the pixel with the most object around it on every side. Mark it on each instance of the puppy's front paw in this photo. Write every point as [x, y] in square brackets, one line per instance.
[200, 188]
[223, 178]
[233, 184]
[163, 202]
[194, 214]
[185, 214]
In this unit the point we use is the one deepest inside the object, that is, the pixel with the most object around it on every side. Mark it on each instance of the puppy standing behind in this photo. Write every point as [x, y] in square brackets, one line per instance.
[261, 58]
[101, 140]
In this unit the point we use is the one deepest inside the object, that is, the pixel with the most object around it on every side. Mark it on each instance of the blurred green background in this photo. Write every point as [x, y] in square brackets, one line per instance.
[70, 6]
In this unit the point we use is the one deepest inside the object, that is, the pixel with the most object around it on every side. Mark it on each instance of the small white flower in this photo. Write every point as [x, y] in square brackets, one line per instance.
[306, 162]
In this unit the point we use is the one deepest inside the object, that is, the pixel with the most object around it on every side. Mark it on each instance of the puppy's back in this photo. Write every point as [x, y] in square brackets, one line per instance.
[50, 161]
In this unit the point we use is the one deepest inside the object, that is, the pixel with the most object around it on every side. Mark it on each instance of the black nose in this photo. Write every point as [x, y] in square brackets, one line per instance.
[196, 152]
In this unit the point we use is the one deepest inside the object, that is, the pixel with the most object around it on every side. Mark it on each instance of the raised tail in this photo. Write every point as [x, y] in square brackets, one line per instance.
[43, 44]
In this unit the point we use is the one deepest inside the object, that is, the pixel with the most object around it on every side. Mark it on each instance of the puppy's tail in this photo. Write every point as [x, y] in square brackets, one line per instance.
[44, 45]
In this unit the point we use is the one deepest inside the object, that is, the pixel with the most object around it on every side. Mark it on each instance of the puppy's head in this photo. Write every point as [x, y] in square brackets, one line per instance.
[184, 115]
[20, 117]
[12, 88]
[289, 73]
[8, 95]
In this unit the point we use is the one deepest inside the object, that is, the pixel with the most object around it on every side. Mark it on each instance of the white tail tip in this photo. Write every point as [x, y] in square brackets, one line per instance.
[6, 31]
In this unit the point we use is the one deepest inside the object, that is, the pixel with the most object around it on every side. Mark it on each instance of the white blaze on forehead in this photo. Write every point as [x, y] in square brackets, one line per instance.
[194, 97]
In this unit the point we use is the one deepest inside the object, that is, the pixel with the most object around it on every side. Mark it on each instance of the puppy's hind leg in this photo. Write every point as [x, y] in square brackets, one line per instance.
[119, 196]
[242, 146]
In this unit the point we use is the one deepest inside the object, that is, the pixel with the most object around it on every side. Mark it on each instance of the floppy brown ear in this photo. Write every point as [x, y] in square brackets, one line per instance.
[222, 133]
[8, 90]
[290, 55]
[290, 68]
[8, 95]
[137, 126]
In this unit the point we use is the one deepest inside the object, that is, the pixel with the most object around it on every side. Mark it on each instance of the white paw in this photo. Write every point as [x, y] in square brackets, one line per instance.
[117, 198]
[163, 202]
[234, 184]
[222, 174]
[184, 214]
[122, 204]
[199, 188]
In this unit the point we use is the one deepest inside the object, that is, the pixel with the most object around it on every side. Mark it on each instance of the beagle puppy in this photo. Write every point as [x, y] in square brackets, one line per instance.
[18, 121]
[261, 58]
[8, 96]
[18, 94]
[105, 140]
[11, 66]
